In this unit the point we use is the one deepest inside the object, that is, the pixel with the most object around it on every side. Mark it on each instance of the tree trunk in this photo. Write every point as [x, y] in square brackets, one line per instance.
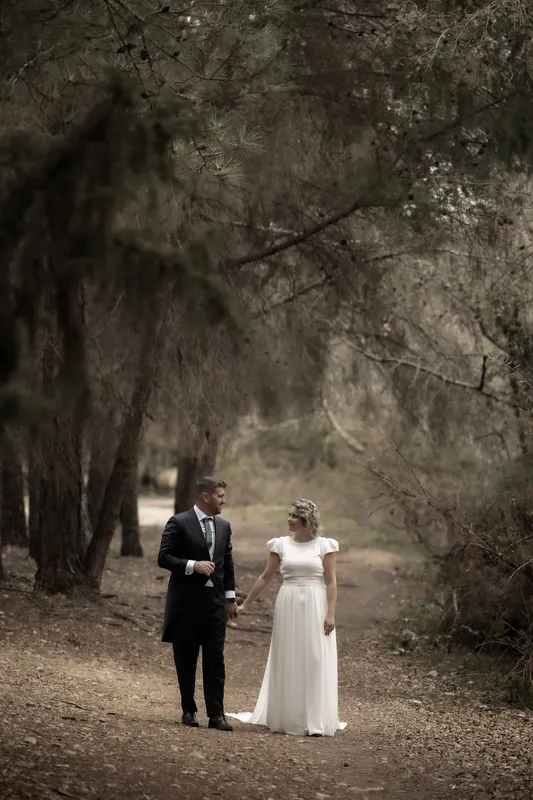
[86, 527]
[34, 482]
[60, 547]
[58, 487]
[2, 571]
[520, 423]
[124, 460]
[3, 576]
[96, 483]
[103, 449]
[12, 513]
[196, 458]
[129, 515]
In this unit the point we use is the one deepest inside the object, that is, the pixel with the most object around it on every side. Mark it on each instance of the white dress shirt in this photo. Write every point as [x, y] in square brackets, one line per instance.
[189, 569]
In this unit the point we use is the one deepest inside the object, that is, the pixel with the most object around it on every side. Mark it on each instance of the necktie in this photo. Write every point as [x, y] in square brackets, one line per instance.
[208, 531]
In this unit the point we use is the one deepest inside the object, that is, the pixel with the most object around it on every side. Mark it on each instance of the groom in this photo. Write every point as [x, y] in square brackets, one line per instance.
[197, 551]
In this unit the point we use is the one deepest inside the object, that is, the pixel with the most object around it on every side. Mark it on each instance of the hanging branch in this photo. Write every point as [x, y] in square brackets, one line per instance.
[417, 367]
[350, 440]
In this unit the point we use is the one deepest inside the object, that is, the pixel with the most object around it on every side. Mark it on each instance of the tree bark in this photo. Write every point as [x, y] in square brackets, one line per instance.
[96, 484]
[2, 571]
[12, 512]
[34, 482]
[58, 485]
[124, 461]
[86, 527]
[103, 449]
[129, 515]
[100, 468]
[522, 437]
[196, 457]
[60, 547]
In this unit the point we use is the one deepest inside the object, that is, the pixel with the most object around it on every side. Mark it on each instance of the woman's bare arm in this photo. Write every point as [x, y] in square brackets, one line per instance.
[262, 581]
[330, 579]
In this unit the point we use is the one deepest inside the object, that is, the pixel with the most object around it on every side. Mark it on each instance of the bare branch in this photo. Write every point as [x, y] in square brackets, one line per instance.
[320, 284]
[300, 238]
[352, 443]
[399, 362]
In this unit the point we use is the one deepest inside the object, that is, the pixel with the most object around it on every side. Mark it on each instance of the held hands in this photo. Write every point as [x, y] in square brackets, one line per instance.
[204, 567]
[239, 610]
[329, 624]
[233, 610]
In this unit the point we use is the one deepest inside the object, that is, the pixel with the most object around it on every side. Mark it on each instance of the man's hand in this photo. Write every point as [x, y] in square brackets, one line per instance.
[204, 567]
[232, 609]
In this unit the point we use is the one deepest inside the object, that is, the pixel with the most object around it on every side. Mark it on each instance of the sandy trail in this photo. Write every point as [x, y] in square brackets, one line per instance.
[89, 699]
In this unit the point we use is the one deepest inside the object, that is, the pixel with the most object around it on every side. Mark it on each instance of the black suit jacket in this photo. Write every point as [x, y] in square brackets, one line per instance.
[183, 540]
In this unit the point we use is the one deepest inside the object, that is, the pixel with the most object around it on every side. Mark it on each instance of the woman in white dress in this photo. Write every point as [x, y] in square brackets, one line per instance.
[299, 693]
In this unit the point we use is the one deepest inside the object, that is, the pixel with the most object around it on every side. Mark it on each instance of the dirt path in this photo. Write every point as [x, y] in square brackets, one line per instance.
[89, 699]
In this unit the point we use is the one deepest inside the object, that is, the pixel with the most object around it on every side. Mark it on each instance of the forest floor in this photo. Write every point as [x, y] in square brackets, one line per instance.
[89, 702]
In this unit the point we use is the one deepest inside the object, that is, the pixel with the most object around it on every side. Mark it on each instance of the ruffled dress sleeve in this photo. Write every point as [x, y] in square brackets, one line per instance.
[328, 546]
[274, 546]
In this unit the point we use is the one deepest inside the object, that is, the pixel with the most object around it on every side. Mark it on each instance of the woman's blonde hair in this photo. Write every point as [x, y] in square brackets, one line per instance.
[308, 512]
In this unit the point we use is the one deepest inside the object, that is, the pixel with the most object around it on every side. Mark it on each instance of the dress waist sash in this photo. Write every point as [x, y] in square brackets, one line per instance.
[303, 581]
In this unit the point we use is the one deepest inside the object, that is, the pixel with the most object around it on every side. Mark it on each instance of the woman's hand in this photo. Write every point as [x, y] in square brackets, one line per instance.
[329, 624]
[241, 610]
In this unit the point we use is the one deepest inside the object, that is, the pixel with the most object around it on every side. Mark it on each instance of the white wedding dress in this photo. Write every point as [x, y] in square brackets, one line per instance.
[299, 694]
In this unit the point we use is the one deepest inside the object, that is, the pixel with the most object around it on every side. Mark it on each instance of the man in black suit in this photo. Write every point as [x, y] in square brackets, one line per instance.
[200, 598]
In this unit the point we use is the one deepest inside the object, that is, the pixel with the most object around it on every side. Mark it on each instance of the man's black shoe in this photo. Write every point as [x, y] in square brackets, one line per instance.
[189, 718]
[220, 723]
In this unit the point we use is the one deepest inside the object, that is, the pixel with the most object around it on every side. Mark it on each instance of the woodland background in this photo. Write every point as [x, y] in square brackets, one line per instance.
[287, 241]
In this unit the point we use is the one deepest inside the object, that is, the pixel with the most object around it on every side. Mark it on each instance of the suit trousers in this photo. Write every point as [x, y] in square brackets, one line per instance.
[205, 629]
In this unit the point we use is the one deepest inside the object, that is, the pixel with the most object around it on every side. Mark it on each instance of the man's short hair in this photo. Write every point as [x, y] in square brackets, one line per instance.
[209, 485]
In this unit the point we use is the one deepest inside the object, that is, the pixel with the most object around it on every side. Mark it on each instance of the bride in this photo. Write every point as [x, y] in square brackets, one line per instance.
[299, 693]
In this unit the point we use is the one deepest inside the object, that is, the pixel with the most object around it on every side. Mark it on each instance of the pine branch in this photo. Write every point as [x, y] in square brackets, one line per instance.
[370, 191]
[300, 238]
[305, 290]
[478, 388]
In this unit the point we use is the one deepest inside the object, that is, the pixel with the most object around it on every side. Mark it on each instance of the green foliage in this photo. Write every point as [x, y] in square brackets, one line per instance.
[81, 185]
[140, 270]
